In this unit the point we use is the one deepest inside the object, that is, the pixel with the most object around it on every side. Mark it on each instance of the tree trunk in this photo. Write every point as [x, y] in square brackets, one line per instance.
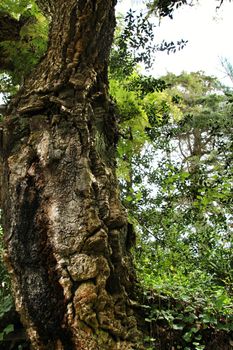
[66, 233]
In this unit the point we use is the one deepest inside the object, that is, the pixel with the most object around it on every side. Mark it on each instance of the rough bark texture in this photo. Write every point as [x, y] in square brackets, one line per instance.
[65, 230]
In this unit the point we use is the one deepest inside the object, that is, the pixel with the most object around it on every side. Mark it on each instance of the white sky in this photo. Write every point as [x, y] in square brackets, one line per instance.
[209, 35]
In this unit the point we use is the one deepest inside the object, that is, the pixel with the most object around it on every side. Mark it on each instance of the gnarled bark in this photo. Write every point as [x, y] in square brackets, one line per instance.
[65, 230]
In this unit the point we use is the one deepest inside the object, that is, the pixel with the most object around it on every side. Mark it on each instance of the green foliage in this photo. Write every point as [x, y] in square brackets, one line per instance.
[166, 7]
[5, 282]
[190, 309]
[6, 303]
[228, 68]
[135, 40]
[18, 7]
[139, 100]
[26, 52]
[134, 44]
[7, 88]
[178, 192]
[160, 108]
[8, 329]
[133, 121]
[191, 208]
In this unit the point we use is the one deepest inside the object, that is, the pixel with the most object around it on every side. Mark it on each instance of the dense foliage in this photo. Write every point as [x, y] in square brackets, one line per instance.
[22, 50]
[176, 176]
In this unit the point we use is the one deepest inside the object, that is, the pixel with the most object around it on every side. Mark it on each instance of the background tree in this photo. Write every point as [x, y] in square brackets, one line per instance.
[177, 188]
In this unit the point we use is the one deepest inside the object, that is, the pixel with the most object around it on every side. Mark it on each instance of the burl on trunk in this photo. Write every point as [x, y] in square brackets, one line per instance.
[66, 233]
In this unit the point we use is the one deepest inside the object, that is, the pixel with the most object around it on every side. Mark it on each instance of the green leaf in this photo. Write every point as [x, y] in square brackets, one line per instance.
[8, 329]
[178, 326]
[187, 337]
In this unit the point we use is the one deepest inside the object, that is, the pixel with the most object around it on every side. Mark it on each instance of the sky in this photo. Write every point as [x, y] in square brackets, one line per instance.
[209, 35]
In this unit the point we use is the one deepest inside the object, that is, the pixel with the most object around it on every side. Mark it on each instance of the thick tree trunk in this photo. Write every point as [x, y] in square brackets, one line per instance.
[66, 234]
